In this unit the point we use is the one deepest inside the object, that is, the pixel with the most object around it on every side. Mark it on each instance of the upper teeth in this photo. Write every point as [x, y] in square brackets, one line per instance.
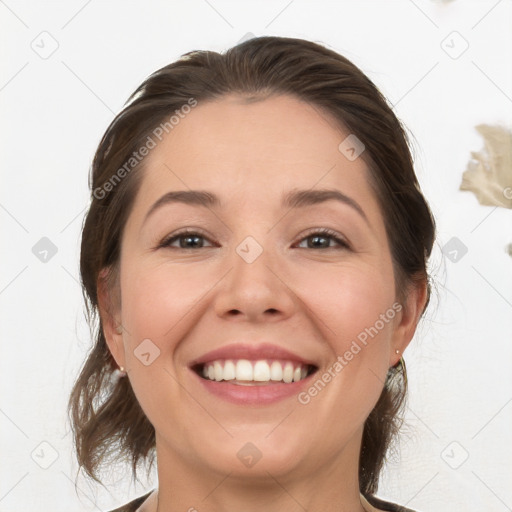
[259, 371]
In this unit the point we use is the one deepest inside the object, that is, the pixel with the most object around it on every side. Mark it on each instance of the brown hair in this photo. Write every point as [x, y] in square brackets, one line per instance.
[107, 420]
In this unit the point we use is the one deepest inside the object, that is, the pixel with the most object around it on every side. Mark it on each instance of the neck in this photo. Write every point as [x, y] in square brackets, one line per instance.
[327, 486]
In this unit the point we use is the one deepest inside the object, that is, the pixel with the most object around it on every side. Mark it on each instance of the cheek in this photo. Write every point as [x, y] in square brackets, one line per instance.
[354, 312]
[161, 304]
[157, 300]
[347, 299]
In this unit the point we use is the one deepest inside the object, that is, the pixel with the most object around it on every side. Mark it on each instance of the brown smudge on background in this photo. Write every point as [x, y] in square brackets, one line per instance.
[489, 172]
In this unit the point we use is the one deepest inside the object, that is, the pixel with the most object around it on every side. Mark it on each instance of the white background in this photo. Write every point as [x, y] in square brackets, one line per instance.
[54, 111]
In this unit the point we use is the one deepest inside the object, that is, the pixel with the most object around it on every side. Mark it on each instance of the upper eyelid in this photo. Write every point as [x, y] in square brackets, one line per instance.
[327, 232]
[194, 231]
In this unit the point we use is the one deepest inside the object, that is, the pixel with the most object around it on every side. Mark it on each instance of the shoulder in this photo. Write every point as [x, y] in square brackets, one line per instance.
[133, 505]
[386, 505]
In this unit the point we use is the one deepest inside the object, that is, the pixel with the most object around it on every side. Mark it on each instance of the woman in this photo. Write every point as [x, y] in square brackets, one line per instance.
[256, 249]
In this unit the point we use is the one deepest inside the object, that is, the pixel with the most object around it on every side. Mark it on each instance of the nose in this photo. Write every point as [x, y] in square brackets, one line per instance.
[256, 291]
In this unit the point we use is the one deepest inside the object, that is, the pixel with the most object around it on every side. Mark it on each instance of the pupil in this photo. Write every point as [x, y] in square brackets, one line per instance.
[195, 242]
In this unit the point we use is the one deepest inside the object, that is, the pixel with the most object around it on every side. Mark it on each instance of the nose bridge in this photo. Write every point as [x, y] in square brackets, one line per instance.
[252, 260]
[253, 286]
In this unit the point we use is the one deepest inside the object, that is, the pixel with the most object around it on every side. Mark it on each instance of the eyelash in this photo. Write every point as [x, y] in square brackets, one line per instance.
[324, 232]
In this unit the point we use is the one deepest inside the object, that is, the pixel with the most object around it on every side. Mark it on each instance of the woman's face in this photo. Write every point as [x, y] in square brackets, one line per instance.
[255, 274]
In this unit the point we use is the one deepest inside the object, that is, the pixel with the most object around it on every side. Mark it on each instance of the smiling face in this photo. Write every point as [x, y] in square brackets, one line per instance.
[254, 270]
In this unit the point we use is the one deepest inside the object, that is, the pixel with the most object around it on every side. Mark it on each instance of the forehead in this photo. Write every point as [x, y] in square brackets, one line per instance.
[253, 151]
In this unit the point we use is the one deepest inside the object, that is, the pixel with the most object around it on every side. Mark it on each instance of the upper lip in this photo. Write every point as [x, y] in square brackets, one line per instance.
[251, 352]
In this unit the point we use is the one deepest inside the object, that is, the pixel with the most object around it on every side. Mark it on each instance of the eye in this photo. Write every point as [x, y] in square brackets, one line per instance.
[187, 240]
[321, 238]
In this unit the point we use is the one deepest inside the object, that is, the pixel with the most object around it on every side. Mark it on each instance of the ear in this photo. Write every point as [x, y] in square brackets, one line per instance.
[110, 313]
[412, 309]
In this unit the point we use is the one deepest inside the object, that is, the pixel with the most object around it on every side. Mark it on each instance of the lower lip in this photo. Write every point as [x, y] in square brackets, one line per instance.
[253, 395]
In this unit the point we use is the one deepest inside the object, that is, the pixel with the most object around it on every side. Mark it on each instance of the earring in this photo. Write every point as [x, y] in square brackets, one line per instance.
[119, 329]
[397, 351]
[119, 372]
[117, 375]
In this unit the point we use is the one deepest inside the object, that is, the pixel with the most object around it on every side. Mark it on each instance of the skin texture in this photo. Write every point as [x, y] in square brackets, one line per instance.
[313, 301]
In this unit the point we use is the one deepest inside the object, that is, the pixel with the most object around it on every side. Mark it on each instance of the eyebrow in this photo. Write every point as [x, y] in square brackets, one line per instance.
[292, 200]
[302, 198]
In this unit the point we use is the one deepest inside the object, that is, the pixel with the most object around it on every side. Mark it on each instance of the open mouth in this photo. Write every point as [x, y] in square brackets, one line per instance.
[262, 372]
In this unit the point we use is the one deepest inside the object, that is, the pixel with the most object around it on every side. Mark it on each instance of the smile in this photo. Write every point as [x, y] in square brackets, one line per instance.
[256, 374]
